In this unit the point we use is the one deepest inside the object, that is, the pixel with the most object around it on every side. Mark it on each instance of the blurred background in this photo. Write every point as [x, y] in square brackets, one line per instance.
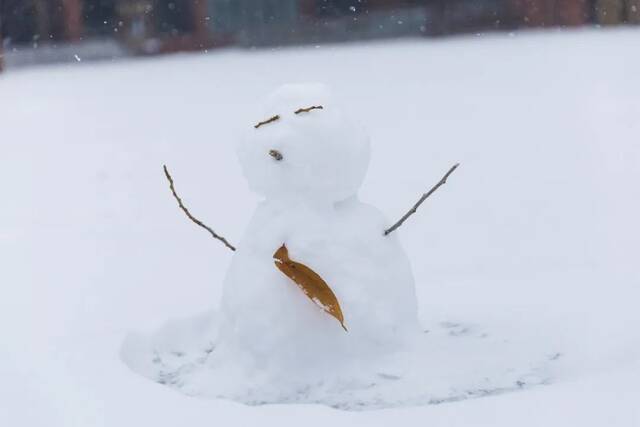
[49, 31]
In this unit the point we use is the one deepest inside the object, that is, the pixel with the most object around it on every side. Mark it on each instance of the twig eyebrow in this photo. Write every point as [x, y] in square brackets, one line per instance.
[269, 120]
[306, 110]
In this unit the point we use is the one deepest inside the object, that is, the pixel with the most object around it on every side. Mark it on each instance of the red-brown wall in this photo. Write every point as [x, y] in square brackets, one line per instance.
[72, 19]
[545, 13]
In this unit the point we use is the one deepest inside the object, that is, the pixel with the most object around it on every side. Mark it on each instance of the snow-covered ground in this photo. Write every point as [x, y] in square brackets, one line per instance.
[536, 235]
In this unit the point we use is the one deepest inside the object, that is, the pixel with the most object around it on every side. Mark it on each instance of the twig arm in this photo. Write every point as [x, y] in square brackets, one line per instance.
[420, 201]
[191, 217]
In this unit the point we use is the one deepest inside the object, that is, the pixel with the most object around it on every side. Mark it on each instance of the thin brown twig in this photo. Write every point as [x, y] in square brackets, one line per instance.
[191, 217]
[306, 110]
[269, 120]
[421, 200]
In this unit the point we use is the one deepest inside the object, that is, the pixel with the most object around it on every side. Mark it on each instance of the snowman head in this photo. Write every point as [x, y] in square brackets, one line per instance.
[304, 147]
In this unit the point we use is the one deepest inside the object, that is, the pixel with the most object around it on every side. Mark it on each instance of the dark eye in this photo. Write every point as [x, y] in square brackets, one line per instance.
[306, 110]
[269, 120]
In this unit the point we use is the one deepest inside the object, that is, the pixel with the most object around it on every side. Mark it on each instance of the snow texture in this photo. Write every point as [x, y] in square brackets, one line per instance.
[533, 240]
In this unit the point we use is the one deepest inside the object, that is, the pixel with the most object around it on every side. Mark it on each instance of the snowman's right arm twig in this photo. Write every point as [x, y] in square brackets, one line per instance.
[422, 199]
[191, 217]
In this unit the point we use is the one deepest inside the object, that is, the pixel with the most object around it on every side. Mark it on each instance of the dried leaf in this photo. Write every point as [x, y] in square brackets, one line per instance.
[310, 283]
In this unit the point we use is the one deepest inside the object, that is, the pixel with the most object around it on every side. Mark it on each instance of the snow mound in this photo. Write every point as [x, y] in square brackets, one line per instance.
[452, 361]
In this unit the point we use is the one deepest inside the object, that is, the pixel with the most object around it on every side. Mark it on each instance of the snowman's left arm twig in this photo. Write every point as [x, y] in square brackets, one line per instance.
[191, 217]
[420, 201]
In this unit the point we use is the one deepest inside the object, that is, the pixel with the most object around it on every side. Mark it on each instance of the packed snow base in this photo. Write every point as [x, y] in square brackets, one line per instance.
[270, 343]
[449, 362]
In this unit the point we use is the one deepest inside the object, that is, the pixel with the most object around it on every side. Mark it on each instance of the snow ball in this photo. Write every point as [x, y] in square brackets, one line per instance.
[303, 146]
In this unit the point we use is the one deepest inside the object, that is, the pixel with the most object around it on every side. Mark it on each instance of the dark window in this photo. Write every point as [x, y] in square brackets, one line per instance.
[173, 16]
[341, 7]
[99, 17]
[19, 21]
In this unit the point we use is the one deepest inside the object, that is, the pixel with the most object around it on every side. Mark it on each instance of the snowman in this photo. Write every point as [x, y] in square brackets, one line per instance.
[319, 303]
[308, 160]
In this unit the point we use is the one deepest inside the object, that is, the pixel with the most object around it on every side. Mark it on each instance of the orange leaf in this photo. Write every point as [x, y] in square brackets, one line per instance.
[310, 283]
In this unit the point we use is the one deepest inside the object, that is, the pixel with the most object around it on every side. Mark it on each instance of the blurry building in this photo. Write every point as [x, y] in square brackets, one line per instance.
[129, 21]
[117, 27]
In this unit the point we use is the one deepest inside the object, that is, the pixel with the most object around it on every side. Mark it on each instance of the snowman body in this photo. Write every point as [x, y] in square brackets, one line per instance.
[269, 327]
